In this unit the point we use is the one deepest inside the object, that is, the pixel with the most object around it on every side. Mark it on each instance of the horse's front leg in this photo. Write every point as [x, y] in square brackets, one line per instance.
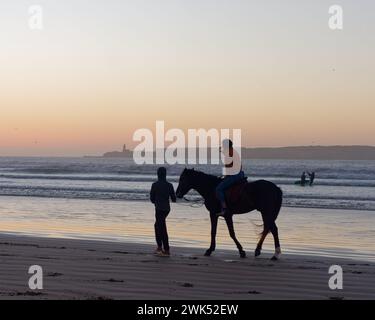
[212, 247]
[229, 221]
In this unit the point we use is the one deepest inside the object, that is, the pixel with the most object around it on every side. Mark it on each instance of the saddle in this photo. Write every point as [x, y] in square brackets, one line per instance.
[233, 194]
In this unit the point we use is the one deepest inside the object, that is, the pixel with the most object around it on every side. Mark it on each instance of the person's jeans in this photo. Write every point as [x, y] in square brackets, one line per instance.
[161, 233]
[227, 182]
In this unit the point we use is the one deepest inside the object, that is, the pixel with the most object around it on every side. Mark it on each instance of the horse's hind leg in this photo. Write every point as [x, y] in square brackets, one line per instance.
[212, 247]
[229, 221]
[275, 234]
[266, 230]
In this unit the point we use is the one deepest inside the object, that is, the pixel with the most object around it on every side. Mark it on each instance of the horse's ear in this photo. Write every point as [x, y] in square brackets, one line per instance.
[192, 169]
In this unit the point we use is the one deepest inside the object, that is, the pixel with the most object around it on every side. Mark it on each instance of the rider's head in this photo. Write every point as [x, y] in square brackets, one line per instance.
[227, 144]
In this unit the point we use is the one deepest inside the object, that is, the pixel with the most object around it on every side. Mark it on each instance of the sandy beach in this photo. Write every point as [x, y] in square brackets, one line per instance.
[85, 269]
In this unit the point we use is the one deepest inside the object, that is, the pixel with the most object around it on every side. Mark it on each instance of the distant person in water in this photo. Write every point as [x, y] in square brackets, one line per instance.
[161, 192]
[232, 172]
[303, 178]
[311, 177]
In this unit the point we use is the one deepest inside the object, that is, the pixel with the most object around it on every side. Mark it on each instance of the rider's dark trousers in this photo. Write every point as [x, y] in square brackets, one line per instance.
[226, 183]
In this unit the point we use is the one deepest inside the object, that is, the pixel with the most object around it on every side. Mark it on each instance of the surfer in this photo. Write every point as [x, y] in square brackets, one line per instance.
[311, 177]
[303, 178]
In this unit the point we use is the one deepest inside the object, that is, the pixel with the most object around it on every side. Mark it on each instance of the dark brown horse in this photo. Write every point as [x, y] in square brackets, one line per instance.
[261, 195]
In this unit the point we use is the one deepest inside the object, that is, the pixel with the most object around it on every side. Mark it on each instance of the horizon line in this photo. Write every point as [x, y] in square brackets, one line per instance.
[246, 147]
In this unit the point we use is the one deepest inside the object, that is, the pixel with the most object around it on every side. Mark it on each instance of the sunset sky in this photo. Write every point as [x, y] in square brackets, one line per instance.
[99, 70]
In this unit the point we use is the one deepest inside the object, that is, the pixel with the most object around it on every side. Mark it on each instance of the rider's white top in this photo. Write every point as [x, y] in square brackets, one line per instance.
[235, 160]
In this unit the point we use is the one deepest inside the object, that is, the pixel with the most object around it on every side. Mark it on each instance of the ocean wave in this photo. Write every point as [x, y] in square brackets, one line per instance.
[338, 185]
[150, 178]
[81, 177]
[128, 194]
[22, 189]
[329, 197]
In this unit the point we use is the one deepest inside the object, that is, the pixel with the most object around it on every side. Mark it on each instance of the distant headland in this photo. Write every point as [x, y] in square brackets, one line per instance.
[125, 153]
[297, 153]
[312, 153]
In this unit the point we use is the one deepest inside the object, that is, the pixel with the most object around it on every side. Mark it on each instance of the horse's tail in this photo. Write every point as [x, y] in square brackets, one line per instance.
[272, 212]
[279, 202]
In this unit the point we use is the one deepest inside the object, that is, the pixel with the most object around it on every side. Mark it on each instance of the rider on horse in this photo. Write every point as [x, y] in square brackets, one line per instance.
[232, 173]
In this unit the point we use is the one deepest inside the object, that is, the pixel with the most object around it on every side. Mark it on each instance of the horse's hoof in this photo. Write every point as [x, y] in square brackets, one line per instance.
[274, 258]
[207, 253]
[243, 254]
[257, 252]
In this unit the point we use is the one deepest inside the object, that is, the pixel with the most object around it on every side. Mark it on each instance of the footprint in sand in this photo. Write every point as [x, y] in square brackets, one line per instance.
[54, 274]
[27, 293]
[185, 284]
[308, 268]
[47, 258]
[336, 298]
[98, 298]
[253, 292]
[121, 252]
[245, 292]
[113, 280]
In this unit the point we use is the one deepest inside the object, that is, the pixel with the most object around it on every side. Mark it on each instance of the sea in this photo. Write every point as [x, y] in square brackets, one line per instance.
[108, 199]
[338, 184]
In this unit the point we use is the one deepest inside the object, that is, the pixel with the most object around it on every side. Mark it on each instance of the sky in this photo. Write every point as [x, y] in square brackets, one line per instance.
[99, 70]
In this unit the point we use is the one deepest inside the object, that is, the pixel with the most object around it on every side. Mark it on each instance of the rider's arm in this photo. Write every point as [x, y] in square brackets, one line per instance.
[230, 165]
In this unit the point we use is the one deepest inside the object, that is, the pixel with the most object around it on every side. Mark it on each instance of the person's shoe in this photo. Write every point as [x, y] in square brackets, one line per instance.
[164, 254]
[158, 251]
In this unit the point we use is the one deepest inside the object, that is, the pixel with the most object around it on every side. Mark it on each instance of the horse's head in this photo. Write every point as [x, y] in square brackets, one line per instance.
[185, 183]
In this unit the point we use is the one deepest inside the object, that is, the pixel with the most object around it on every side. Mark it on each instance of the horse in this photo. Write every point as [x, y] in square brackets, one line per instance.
[261, 195]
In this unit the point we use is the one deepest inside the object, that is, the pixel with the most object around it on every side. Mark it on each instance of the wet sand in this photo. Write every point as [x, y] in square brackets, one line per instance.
[321, 232]
[87, 269]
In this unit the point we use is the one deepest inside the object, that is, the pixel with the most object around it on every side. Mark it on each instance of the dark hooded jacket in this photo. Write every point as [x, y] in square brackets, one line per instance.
[161, 191]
